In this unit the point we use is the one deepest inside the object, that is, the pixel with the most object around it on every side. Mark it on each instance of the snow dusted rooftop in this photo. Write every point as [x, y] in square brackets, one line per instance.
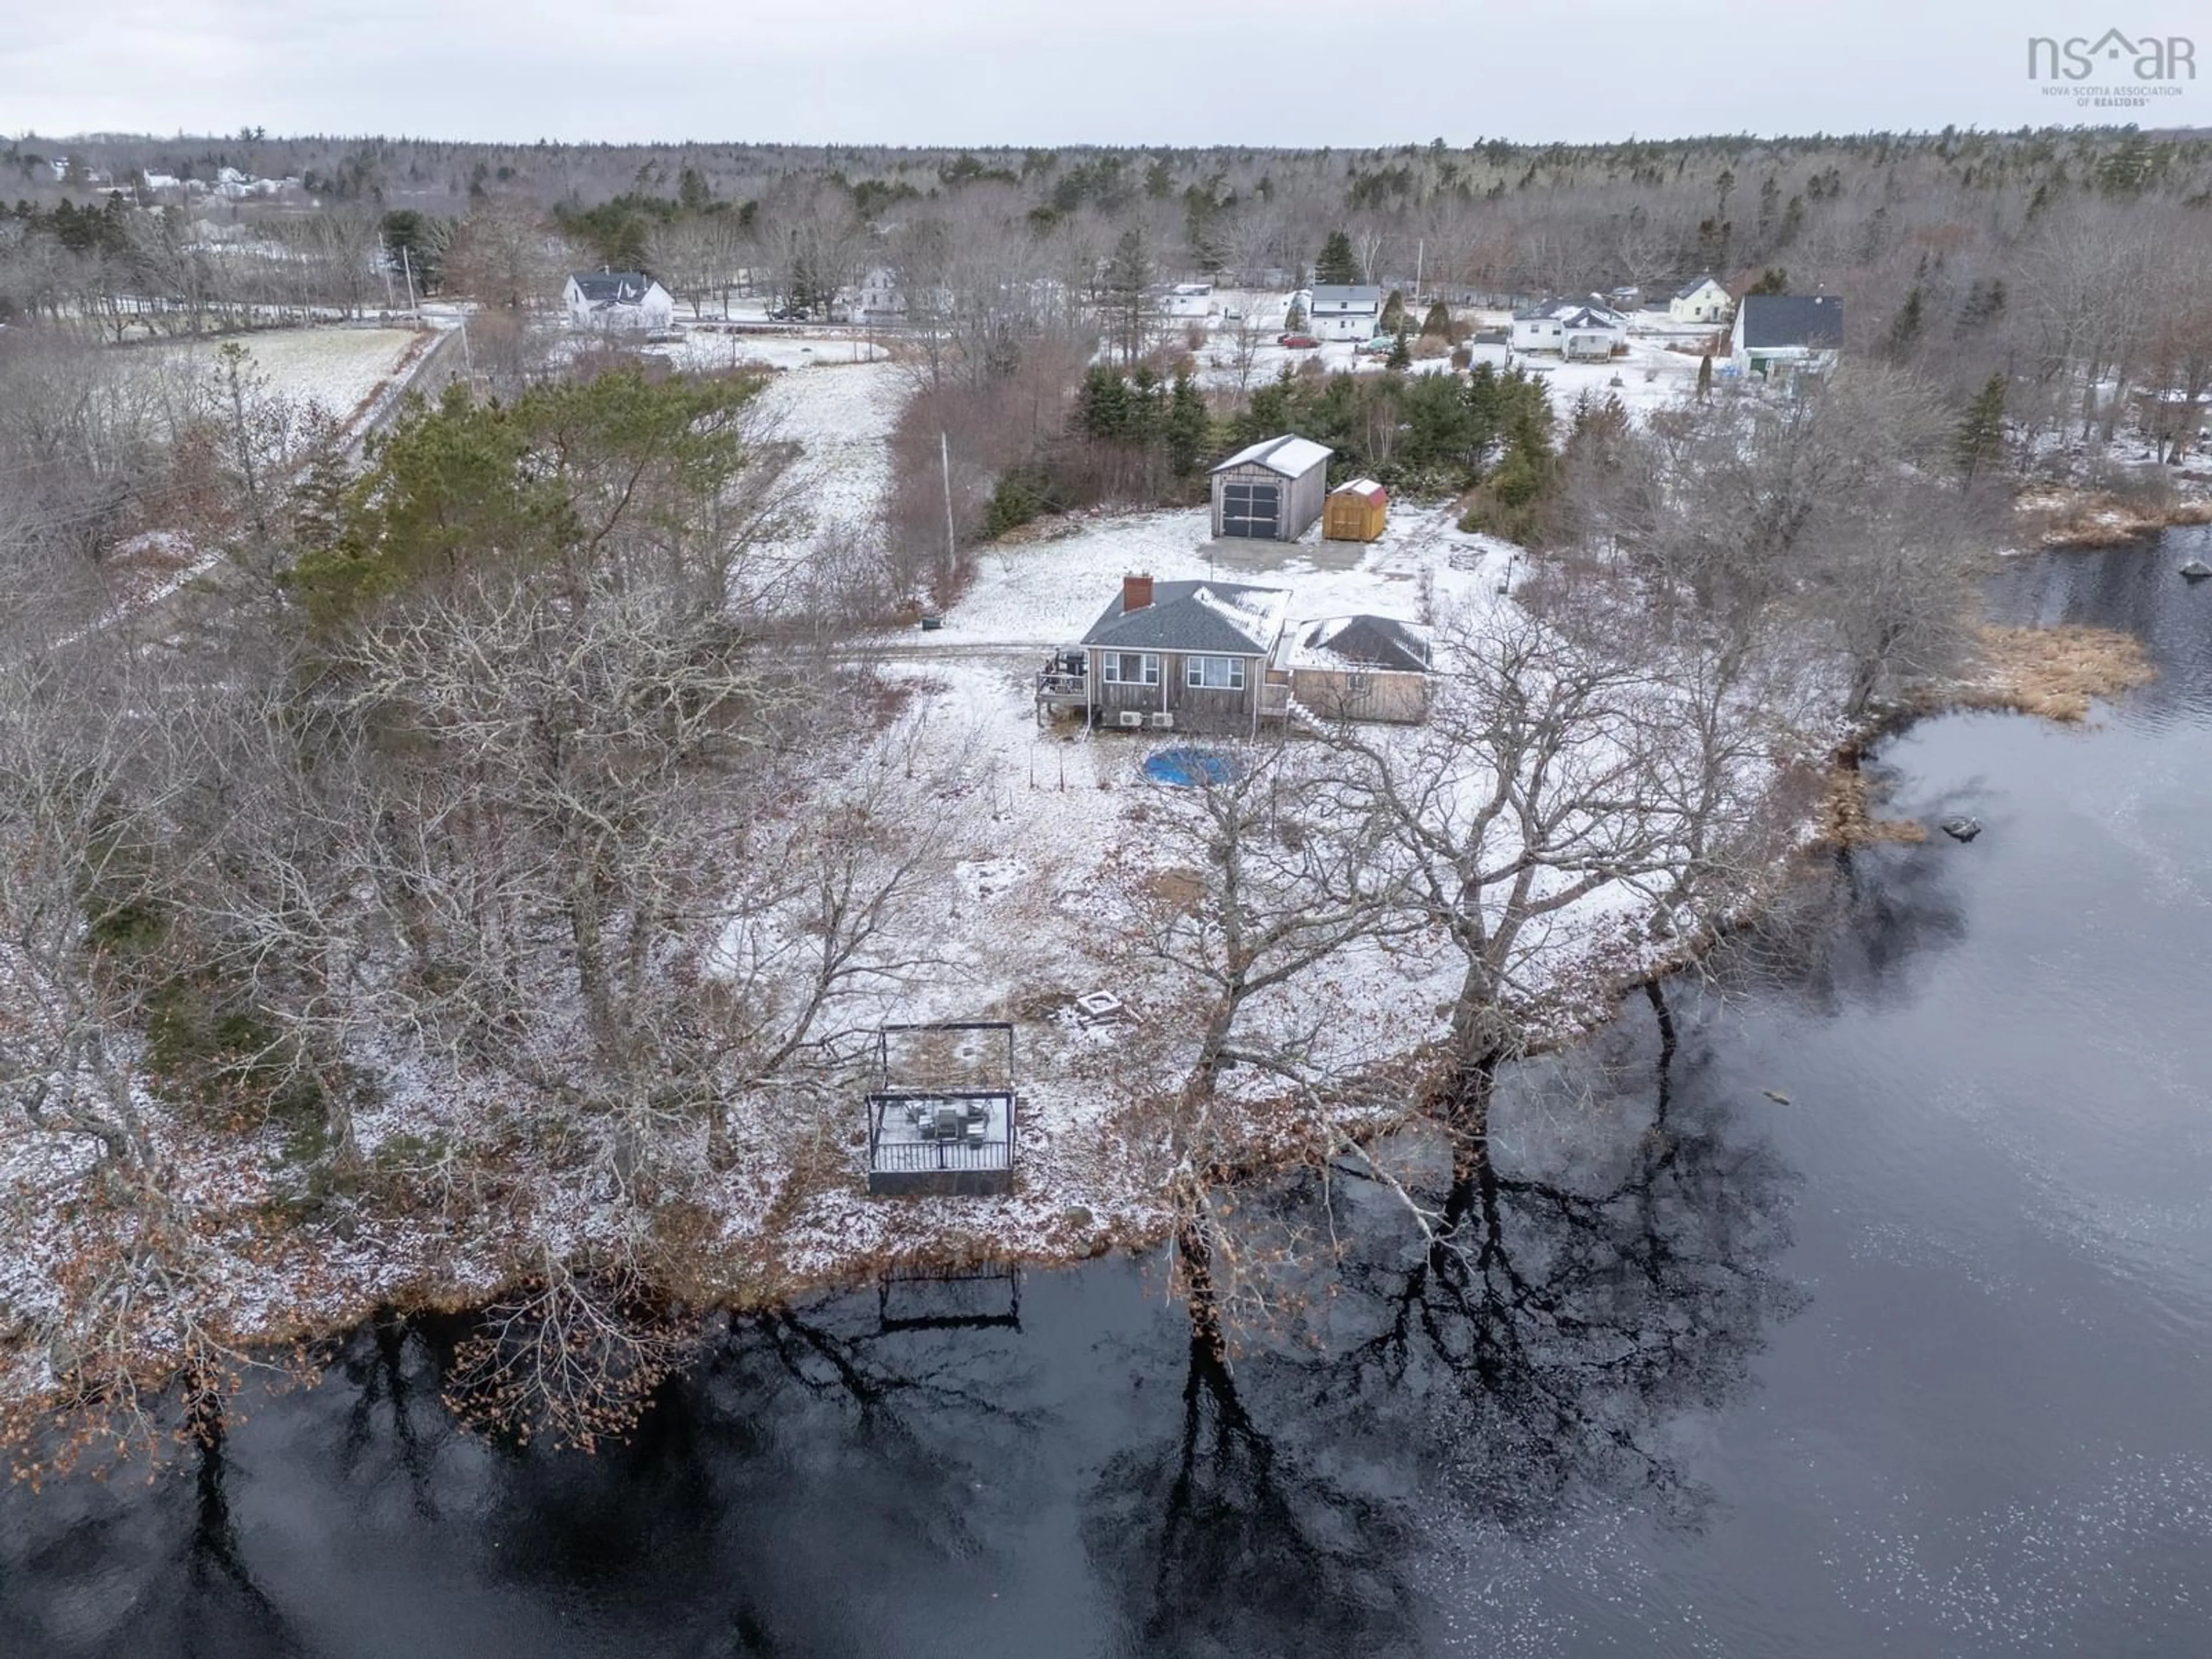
[1218, 618]
[1291, 457]
[626, 288]
[1359, 643]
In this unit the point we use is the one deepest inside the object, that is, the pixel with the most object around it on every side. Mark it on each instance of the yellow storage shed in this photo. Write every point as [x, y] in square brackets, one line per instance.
[1355, 512]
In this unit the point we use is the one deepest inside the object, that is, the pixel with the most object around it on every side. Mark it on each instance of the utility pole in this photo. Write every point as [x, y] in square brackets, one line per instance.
[407, 263]
[951, 546]
[384, 263]
[1420, 248]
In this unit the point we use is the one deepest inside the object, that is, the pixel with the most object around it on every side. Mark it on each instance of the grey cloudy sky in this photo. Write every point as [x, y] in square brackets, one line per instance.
[1293, 72]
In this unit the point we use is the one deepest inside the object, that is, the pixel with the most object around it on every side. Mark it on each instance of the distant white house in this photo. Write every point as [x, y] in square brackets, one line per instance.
[1336, 311]
[1572, 328]
[1703, 300]
[878, 295]
[617, 300]
[1779, 335]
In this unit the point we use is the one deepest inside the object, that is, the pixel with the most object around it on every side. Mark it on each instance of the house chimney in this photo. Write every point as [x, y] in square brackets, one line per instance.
[1136, 592]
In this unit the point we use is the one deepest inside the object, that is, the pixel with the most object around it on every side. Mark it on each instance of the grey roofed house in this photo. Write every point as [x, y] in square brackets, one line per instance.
[1209, 619]
[1694, 284]
[615, 288]
[1361, 294]
[1363, 641]
[1778, 321]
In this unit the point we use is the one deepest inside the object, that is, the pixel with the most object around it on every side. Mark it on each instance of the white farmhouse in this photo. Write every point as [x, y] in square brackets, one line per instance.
[1572, 328]
[878, 294]
[1338, 311]
[1702, 302]
[618, 299]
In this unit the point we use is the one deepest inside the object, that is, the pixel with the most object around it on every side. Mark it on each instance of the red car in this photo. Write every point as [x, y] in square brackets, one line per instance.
[1296, 341]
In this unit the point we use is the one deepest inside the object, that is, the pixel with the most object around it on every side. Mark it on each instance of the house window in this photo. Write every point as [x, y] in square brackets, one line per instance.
[1213, 673]
[1131, 668]
[1359, 687]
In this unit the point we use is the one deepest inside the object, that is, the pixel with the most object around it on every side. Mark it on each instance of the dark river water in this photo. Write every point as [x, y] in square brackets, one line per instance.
[1913, 1362]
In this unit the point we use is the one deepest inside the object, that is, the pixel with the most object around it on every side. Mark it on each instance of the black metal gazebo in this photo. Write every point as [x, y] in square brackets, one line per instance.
[941, 1120]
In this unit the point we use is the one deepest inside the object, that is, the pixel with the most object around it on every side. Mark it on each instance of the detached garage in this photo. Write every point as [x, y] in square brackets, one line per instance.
[1273, 491]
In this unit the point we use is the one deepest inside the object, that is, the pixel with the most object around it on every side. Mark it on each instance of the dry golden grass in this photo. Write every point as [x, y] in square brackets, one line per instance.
[2054, 672]
[2088, 519]
[1178, 890]
[1846, 816]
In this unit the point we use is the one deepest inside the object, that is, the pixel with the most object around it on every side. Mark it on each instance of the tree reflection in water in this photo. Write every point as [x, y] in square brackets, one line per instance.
[1535, 1346]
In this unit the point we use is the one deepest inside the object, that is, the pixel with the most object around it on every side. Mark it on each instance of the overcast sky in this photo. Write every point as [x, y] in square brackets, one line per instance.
[1049, 72]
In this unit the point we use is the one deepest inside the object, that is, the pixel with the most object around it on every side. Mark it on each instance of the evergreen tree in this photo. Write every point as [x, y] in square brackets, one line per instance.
[1402, 354]
[1904, 328]
[1294, 320]
[1979, 444]
[1128, 302]
[1772, 280]
[1438, 325]
[1393, 320]
[1706, 377]
[1188, 427]
[1337, 264]
[1147, 401]
[1103, 405]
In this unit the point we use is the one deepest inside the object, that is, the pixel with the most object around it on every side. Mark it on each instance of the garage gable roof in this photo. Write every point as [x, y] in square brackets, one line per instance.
[1292, 456]
[1224, 619]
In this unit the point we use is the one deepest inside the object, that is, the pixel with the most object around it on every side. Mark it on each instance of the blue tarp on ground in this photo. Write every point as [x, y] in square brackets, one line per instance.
[1189, 767]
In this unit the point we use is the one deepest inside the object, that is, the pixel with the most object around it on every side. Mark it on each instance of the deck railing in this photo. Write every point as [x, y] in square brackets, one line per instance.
[918, 1157]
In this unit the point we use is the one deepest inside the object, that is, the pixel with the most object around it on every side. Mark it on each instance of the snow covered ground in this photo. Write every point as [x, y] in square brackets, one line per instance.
[841, 416]
[339, 370]
[1055, 837]
[705, 348]
[1047, 592]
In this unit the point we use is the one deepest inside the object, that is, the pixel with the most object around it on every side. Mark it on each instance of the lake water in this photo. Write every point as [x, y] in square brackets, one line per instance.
[1914, 1363]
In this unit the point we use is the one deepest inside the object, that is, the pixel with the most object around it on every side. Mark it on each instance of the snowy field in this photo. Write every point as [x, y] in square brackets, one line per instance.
[705, 349]
[841, 416]
[339, 370]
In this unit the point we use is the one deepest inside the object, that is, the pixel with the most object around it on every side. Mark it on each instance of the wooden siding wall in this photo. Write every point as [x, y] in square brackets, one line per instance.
[1194, 710]
[1397, 697]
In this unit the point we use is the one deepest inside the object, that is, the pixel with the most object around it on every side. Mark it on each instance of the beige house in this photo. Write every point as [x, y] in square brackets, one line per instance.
[1703, 300]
